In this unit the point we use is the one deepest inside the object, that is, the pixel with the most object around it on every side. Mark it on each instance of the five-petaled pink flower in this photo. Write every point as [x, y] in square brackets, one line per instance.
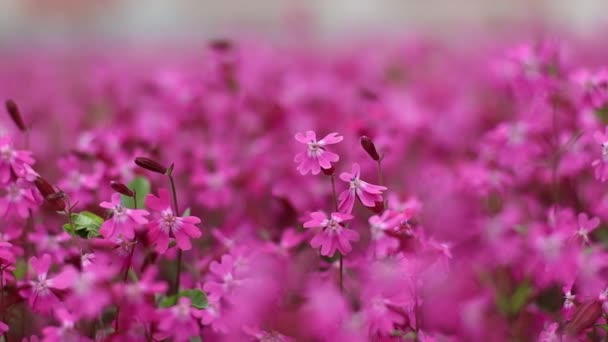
[586, 225]
[42, 291]
[123, 221]
[167, 225]
[316, 156]
[13, 160]
[367, 193]
[332, 234]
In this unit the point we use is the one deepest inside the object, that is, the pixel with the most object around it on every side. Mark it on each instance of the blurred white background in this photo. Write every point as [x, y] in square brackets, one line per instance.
[153, 19]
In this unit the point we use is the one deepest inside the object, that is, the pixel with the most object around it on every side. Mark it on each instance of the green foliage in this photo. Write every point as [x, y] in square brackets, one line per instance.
[511, 304]
[197, 297]
[86, 224]
[141, 186]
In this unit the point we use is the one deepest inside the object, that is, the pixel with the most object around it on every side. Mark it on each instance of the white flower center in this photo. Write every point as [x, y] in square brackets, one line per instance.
[315, 149]
[170, 222]
[14, 193]
[7, 154]
[355, 183]
[605, 151]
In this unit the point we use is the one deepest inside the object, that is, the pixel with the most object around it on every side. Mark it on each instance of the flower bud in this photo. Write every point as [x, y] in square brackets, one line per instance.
[584, 317]
[221, 45]
[150, 165]
[329, 171]
[15, 114]
[121, 189]
[369, 147]
[52, 198]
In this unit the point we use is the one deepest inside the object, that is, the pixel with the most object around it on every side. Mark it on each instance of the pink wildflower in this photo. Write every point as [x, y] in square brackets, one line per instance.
[179, 321]
[167, 225]
[123, 220]
[367, 193]
[316, 155]
[12, 160]
[332, 234]
[43, 291]
[586, 225]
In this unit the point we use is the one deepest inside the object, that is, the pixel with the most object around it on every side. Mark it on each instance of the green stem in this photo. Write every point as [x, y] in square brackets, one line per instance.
[179, 251]
[333, 190]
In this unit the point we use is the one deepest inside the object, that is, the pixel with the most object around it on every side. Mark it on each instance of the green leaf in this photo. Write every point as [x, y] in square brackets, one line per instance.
[186, 212]
[86, 224]
[196, 339]
[602, 114]
[141, 186]
[198, 299]
[166, 302]
[603, 326]
[520, 297]
[19, 271]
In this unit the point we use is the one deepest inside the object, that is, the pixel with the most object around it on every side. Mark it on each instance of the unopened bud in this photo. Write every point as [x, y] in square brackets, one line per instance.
[150, 165]
[369, 147]
[121, 189]
[53, 198]
[221, 45]
[329, 171]
[584, 317]
[15, 114]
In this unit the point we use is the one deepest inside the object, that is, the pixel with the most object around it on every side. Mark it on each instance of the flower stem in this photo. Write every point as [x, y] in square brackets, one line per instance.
[380, 178]
[179, 251]
[341, 272]
[335, 198]
[333, 190]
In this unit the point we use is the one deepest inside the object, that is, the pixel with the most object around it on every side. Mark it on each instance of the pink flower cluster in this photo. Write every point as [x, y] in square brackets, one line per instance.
[388, 192]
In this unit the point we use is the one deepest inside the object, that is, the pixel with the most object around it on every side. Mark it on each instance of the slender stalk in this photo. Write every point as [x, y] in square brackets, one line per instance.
[179, 251]
[341, 261]
[333, 190]
[129, 260]
[341, 258]
[381, 179]
[2, 300]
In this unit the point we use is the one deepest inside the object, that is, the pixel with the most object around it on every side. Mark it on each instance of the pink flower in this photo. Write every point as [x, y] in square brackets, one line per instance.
[66, 332]
[42, 291]
[332, 235]
[18, 199]
[123, 220]
[367, 193]
[179, 321]
[601, 165]
[167, 225]
[586, 226]
[12, 160]
[316, 155]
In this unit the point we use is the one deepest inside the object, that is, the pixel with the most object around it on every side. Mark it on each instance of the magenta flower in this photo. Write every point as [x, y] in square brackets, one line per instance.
[66, 332]
[586, 225]
[42, 291]
[123, 221]
[601, 165]
[179, 322]
[167, 225]
[12, 160]
[224, 277]
[18, 199]
[316, 155]
[332, 234]
[367, 193]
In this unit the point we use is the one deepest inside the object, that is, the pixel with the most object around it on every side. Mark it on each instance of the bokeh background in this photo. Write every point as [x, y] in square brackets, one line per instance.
[185, 19]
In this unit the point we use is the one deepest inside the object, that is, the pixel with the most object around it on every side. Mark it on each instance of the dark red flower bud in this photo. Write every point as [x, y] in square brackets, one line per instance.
[53, 198]
[368, 94]
[369, 147]
[584, 317]
[150, 165]
[15, 114]
[329, 171]
[221, 45]
[121, 189]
